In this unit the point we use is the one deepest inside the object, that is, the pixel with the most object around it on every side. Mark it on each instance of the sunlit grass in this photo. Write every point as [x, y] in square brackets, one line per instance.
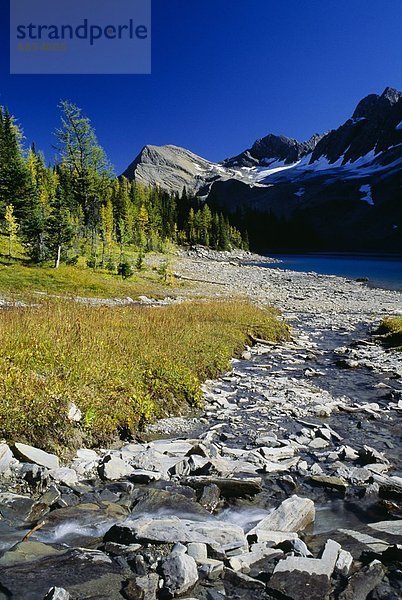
[392, 329]
[120, 366]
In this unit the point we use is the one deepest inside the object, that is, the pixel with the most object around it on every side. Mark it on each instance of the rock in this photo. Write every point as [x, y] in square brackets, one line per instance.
[57, 593]
[362, 583]
[344, 562]
[318, 444]
[29, 573]
[272, 538]
[156, 501]
[113, 468]
[313, 566]
[74, 414]
[87, 454]
[276, 454]
[389, 487]
[15, 507]
[64, 475]
[172, 529]
[180, 574]
[43, 505]
[305, 578]
[6, 458]
[210, 568]
[210, 497]
[294, 514]
[296, 546]
[143, 476]
[242, 581]
[179, 548]
[142, 588]
[198, 551]
[35, 456]
[331, 482]
[369, 455]
[229, 487]
[391, 527]
[345, 363]
[29, 552]
[374, 544]
[244, 562]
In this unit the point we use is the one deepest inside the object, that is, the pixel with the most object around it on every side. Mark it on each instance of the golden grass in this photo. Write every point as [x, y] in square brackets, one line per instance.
[391, 327]
[120, 366]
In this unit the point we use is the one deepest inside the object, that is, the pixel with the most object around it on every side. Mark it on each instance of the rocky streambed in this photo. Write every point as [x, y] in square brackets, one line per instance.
[289, 485]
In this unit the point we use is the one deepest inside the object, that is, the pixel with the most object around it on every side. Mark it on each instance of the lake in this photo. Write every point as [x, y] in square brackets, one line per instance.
[381, 271]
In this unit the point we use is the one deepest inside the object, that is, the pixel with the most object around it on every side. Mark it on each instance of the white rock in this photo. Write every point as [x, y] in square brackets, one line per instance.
[74, 414]
[6, 458]
[344, 562]
[113, 468]
[294, 514]
[198, 551]
[180, 573]
[64, 475]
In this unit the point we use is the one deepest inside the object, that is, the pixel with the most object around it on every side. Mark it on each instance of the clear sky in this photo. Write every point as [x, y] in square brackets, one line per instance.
[224, 73]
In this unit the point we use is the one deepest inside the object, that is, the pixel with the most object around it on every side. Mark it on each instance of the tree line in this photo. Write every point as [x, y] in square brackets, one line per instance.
[78, 207]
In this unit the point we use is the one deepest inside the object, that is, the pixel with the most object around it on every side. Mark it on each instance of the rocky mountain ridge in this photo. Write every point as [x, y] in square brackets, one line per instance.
[343, 188]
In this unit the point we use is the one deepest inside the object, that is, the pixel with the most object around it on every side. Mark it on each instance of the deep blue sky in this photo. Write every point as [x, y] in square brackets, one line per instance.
[225, 72]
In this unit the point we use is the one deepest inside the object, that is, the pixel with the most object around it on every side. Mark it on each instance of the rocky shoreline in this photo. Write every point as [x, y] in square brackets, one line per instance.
[289, 485]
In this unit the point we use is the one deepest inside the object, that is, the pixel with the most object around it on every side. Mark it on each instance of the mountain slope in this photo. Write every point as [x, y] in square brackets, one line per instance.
[341, 190]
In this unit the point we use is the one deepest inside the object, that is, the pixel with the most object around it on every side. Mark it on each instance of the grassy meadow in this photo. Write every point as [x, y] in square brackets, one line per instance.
[391, 328]
[22, 279]
[121, 366]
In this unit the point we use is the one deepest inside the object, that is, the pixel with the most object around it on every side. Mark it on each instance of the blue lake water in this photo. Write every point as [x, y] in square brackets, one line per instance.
[381, 271]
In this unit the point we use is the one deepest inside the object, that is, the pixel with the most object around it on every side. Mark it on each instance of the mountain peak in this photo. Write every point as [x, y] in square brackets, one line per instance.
[392, 95]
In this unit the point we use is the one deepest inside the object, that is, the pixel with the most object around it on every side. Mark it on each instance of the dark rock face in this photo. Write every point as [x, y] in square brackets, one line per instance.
[273, 148]
[339, 191]
[373, 126]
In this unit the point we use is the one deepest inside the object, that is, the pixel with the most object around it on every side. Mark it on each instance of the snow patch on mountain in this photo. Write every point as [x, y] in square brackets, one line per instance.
[366, 190]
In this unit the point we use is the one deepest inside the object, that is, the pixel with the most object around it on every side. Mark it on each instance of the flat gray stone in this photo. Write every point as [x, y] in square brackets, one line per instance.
[36, 456]
[391, 527]
[172, 529]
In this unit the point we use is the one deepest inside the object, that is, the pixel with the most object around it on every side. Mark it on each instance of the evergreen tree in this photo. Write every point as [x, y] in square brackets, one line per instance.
[11, 228]
[86, 161]
[15, 183]
[107, 229]
[60, 226]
